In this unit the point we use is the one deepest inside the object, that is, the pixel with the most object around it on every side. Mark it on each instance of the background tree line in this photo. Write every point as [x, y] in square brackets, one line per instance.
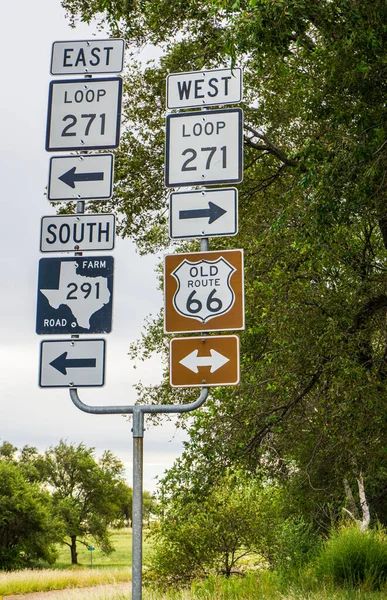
[309, 413]
[64, 496]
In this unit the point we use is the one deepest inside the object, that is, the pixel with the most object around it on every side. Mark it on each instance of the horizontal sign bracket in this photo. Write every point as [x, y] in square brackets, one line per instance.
[136, 409]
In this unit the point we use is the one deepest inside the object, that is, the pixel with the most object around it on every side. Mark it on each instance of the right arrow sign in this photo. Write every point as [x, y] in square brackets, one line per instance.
[205, 213]
[204, 361]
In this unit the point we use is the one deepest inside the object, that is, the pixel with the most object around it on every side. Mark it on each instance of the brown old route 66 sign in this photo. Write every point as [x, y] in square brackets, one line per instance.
[204, 291]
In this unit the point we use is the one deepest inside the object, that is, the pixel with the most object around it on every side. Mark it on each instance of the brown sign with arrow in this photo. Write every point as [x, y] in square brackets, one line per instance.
[204, 361]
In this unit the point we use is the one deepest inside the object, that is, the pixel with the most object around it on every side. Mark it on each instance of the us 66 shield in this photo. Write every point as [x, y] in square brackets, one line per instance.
[204, 148]
[204, 291]
[84, 114]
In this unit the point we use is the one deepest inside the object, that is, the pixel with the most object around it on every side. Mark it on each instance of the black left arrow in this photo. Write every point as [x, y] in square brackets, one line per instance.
[71, 177]
[213, 212]
[62, 363]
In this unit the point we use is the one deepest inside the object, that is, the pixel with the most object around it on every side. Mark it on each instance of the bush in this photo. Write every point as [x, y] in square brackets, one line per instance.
[295, 546]
[354, 558]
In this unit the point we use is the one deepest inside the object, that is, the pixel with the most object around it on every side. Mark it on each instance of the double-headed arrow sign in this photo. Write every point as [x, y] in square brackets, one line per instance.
[210, 212]
[202, 361]
[86, 177]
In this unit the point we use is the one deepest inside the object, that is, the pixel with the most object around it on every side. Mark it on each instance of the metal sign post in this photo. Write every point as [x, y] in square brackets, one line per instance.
[138, 412]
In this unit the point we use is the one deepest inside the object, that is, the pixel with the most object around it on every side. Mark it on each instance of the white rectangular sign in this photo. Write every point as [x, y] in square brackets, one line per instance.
[209, 212]
[83, 177]
[204, 88]
[204, 148]
[72, 363]
[81, 233]
[84, 114]
[89, 56]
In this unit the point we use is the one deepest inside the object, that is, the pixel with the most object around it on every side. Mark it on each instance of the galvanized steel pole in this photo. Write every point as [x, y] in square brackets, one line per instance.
[138, 412]
[138, 450]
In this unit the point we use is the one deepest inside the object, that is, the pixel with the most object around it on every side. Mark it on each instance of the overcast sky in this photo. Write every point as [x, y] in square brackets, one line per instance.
[29, 414]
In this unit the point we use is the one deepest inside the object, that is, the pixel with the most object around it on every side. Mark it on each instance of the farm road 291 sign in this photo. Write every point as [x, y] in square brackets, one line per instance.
[75, 295]
[204, 291]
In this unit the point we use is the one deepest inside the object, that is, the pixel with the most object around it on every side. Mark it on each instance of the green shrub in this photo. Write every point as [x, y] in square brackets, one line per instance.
[354, 558]
[296, 545]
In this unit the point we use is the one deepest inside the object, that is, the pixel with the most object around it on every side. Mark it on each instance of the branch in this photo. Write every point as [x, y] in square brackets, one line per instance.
[368, 310]
[364, 505]
[284, 409]
[268, 146]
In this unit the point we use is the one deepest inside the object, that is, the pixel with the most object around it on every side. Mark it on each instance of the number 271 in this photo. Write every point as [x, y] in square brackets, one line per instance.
[192, 155]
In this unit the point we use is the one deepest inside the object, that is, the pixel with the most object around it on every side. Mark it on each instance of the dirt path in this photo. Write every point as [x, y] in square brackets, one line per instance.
[92, 593]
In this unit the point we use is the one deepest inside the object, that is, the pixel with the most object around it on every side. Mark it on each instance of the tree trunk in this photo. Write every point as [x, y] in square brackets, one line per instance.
[73, 548]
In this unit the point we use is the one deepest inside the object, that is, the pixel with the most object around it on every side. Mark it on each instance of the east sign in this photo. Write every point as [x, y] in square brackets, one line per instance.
[87, 56]
[204, 291]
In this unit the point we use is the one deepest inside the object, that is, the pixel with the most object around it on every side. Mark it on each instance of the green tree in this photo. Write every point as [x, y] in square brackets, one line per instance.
[27, 530]
[312, 209]
[213, 531]
[86, 493]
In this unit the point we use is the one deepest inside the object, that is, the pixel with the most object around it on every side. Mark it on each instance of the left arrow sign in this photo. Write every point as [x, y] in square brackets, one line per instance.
[72, 363]
[83, 177]
[62, 363]
[70, 177]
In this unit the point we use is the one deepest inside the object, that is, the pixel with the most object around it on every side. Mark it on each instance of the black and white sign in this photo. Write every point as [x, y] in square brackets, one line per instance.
[204, 291]
[89, 56]
[75, 295]
[204, 148]
[84, 114]
[72, 363]
[204, 88]
[80, 232]
[83, 177]
[206, 213]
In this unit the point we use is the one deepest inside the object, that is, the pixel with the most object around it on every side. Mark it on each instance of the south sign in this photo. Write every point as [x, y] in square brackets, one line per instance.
[204, 291]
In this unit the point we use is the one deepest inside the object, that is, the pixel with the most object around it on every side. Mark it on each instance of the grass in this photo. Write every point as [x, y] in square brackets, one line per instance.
[43, 580]
[253, 587]
[115, 569]
[122, 555]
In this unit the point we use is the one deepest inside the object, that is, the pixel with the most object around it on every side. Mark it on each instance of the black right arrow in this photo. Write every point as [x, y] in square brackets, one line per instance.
[70, 177]
[62, 363]
[213, 212]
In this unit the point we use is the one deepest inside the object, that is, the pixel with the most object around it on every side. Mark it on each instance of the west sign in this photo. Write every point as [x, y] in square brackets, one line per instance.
[204, 291]
[204, 88]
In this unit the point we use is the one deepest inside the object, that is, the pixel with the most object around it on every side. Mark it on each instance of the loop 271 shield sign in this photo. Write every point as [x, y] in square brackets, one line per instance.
[204, 291]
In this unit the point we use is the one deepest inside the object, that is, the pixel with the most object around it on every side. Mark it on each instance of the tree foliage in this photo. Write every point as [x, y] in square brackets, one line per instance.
[213, 531]
[311, 406]
[85, 493]
[27, 530]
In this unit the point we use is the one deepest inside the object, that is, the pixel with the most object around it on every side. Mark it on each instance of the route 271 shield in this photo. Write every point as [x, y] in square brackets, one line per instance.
[204, 291]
